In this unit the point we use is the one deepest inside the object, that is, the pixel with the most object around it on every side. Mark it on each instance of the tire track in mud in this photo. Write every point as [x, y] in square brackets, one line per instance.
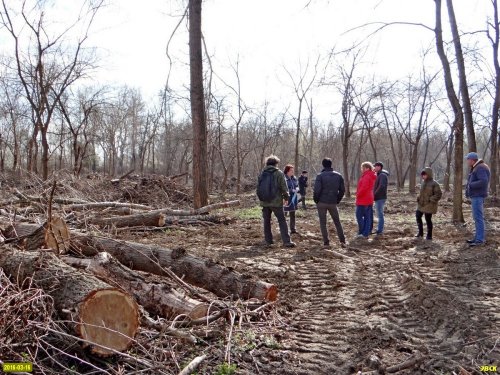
[415, 300]
[391, 297]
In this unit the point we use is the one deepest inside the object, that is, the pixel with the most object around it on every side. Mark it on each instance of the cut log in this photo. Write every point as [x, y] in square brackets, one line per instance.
[153, 219]
[91, 205]
[156, 217]
[158, 299]
[218, 279]
[103, 315]
[51, 235]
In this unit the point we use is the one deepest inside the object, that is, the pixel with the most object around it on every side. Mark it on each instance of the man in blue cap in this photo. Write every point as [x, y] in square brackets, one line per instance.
[477, 190]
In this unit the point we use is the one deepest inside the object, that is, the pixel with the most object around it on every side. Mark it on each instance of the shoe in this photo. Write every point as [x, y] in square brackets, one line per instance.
[428, 238]
[419, 235]
[359, 236]
[326, 245]
[289, 244]
[471, 241]
[294, 232]
[476, 243]
[343, 245]
[267, 244]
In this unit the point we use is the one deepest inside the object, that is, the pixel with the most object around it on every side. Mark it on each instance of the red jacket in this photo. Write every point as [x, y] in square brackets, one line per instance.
[364, 192]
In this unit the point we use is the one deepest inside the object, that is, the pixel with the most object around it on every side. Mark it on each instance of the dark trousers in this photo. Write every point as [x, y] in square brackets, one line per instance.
[292, 221]
[280, 215]
[420, 224]
[364, 217]
[303, 200]
[323, 208]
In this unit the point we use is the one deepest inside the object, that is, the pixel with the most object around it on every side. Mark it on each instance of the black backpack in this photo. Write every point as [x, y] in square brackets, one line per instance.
[267, 190]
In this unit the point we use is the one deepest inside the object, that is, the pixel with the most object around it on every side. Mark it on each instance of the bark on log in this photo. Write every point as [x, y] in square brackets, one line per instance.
[51, 235]
[102, 315]
[156, 217]
[158, 299]
[91, 205]
[153, 219]
[216, 278]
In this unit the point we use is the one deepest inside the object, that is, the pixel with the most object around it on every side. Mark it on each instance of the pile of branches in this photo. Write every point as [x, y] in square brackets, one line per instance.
[73, 300]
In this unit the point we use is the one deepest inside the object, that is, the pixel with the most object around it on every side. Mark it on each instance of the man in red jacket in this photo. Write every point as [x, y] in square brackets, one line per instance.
[365, 199]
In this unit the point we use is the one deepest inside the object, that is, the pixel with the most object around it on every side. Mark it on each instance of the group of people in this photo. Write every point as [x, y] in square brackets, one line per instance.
[281, 193]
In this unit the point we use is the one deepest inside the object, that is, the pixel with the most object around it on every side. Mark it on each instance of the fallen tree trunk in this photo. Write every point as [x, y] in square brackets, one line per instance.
[218, 279]
[158, 299]
[154, 219]
[199, 211]
[90, 205]
[100, 314]
[53, 235]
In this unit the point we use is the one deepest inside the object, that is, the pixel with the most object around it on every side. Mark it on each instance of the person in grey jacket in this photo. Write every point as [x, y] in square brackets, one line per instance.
[380, 194]
[329, 190]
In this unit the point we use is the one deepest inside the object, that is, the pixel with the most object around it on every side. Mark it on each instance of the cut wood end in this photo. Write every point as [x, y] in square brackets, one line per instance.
[199, 311]
[272, 293]
[161, 220]
[109, 318]
[57, 235]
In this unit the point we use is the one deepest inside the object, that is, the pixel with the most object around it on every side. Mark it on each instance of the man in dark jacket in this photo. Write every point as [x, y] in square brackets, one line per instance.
[380, 194]
[328, 192]
[302, 188]
[477, 190]
[276, 204]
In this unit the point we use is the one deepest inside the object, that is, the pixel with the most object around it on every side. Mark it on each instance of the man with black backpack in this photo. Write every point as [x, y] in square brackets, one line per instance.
[273, 194]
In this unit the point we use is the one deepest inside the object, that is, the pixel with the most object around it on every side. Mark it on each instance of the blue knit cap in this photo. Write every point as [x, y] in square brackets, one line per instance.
[472, 156]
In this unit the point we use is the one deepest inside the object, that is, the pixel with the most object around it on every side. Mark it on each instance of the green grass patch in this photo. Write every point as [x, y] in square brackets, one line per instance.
[249, 213]
[225, 369]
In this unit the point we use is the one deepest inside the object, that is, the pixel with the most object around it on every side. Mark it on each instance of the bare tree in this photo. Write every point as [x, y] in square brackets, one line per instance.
[198, 116]
[46, 69]
[495, 42]
[458, 121]
[462, 77]
[301, 87]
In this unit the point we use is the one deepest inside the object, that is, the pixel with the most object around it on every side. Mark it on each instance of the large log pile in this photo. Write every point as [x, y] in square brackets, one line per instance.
[103, 286]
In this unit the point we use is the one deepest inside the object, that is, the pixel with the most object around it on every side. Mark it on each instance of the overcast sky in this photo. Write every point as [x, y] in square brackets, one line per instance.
[267, 35]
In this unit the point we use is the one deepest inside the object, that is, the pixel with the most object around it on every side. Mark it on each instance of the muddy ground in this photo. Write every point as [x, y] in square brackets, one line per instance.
[406, 306]
[385, 302]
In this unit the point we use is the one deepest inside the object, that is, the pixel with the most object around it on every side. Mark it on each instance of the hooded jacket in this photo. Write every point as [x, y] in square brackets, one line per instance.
[364, 191]
[279, 180]
[430, 194]
[478, 181]
[381, 183]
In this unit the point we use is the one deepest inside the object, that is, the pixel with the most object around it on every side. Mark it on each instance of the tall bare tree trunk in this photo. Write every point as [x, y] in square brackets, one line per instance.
[496, 103]
[464, 89]
[200, 164]
[297, 135]
[458, 122]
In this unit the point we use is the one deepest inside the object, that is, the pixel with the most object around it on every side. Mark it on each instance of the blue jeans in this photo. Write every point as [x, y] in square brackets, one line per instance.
[379, 206]
[478, 215]
[364, 216]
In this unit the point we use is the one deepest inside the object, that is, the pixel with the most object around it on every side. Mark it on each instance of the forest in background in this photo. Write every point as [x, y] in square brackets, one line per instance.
[52, 119]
